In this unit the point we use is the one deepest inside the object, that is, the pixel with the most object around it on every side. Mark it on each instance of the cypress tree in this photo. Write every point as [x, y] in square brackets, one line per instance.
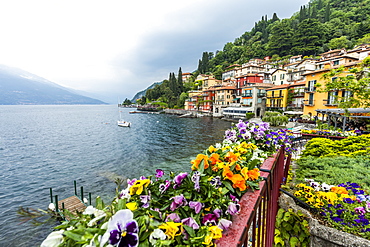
[327, 13]
[319, 4]
[275, 17]
[179, 81]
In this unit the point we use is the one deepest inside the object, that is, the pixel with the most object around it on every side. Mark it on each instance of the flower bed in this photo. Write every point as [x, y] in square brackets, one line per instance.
[187, 209]
[328, 133]
[345, 207]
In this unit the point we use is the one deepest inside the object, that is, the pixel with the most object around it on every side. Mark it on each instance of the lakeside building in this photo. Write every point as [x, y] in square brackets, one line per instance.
[257, 86]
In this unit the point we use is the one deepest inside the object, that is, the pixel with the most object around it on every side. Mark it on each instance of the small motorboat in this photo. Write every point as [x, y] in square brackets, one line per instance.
[122, 123]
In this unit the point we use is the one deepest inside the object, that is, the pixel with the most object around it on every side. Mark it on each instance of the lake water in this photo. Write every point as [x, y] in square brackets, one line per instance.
[44, 147]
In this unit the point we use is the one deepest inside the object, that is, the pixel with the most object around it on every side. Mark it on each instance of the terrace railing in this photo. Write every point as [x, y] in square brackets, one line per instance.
[255, 224]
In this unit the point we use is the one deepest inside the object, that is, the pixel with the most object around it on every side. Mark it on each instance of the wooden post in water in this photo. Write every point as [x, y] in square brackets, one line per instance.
[51, 195]
[82, 193]
[56, 203]
[75, 183]
[89, 198]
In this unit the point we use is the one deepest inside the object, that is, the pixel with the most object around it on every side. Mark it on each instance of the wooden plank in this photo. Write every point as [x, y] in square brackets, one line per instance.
[72, 204]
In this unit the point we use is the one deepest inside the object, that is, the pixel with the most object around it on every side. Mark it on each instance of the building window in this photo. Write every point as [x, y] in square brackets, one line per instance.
[332, 96]
[336, 62]
[310, 99]
[311, 85]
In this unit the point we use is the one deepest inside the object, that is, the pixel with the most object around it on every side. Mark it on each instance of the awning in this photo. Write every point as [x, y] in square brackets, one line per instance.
[236, 99]
[293, 112]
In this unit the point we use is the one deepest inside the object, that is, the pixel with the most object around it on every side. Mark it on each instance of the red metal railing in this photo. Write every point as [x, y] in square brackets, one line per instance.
[255, 224]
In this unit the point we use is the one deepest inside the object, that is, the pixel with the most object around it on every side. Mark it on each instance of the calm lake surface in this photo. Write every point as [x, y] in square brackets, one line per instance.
[44, 147]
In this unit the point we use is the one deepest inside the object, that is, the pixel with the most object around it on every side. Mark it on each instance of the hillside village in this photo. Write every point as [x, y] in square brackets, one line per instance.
[259, 86]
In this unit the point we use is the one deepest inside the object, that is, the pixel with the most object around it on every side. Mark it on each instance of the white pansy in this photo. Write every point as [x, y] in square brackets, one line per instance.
[157, 234]
[125, 194]
[52, 207]
[85, 201]
[54, 239]
[89, 210]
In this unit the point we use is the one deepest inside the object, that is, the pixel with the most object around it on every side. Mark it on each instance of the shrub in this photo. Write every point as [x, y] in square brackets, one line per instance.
[350, 147]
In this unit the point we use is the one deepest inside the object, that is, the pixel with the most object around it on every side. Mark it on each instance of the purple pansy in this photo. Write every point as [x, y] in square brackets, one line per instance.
[164, 187]
[216, 182]
[197, 206]
[131, 182]
[195, 178]
[224, 224]
[218, 212]
[174, 217]
[233, 208]
[178, 179]
[122, 230]
[190, 222]
[159, 173]
[210, 219]
[145, 199]
[178, 201]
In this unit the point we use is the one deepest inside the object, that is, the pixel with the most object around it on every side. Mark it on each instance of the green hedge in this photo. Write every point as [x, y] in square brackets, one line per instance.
[350, 147]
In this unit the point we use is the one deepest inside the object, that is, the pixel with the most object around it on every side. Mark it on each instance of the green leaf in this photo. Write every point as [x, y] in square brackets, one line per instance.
[72, 235]
[189, 230]
[228, 186]
[293, 241]
[286, 216]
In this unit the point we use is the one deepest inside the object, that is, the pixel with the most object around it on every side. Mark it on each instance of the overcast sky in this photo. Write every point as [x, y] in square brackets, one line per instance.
[116, 48]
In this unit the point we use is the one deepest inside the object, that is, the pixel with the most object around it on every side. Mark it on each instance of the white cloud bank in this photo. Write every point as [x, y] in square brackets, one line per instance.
[117, 47]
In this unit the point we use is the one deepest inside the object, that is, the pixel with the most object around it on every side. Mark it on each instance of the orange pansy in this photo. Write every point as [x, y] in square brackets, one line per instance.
[199, 159]
[215, 158]
[226, 173]
[254, 174]
[339, 190]
[230, 157]
[238, 182]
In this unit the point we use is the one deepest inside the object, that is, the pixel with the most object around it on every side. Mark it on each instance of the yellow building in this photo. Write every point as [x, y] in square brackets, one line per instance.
[313, 99]
[277, 98]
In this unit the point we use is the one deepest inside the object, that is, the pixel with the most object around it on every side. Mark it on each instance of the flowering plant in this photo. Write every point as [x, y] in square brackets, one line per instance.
[185, 209]
[326, 132]
[346, 206]
[266, 139]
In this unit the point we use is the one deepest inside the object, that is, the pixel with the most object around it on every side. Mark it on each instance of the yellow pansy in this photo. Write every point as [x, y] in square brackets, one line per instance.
[214, 233]
[212, 149]
[138, 187]
[132, 206]
[172, 229]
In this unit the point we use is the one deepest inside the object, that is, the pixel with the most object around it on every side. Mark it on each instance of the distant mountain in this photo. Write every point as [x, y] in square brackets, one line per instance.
[142, 93]
[18, 87]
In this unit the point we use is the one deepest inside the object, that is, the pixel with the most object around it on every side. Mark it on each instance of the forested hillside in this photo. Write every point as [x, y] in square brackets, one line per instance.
[317, 27]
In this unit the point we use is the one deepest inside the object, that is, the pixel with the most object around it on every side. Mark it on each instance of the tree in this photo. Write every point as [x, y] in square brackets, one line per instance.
[127, 102]
[356, 85]
[364, 40]
[280, 41]
[180, 84]
[339, 43]
[327, 13]
[308, 38]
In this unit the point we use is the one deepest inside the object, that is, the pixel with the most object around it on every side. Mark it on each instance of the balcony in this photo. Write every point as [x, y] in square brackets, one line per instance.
[298, 94]
[310, 89]
[247, 95]
[295, 106]
[309, 102]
